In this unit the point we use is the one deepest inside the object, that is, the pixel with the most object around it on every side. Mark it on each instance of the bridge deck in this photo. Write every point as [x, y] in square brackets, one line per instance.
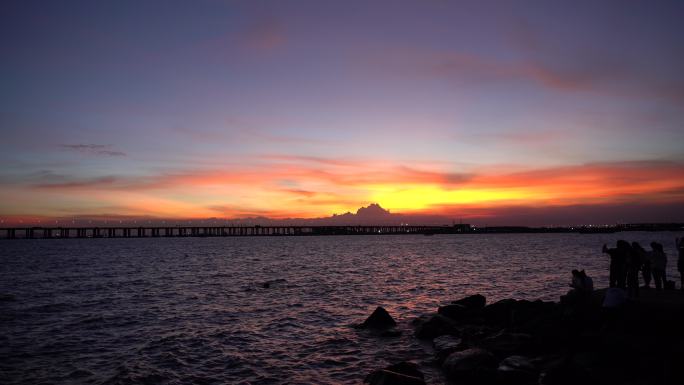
[213, 231]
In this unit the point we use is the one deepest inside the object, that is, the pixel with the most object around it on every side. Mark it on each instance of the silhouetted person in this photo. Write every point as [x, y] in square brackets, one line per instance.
[658, 264]
[679, 243]
[645, 263]
[633, 265]
[582, 282]
[618, 262]
[582, 286]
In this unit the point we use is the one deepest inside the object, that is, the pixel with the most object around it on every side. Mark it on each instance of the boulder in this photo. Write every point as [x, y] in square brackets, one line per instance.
[523, 312]
[499, 312]
[380, 319]
[406, 368]
[506, 344]
[435, 326]
[563, 372]
[454, 311]
[474, 333]
[470, 365]
[445, 345]
[403, 373]
[517, 370]
[472, 302]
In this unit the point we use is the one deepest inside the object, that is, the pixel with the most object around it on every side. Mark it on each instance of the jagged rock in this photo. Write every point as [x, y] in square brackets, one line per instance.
[445, 345]
[517, 370]
[472, 302]
[506, 344]
[380, 319]
[470, 364]
[403, 373]
[454, 311]
[437, 325]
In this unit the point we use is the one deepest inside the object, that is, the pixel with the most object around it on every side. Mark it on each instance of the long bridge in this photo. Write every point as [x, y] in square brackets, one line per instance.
[215, 231]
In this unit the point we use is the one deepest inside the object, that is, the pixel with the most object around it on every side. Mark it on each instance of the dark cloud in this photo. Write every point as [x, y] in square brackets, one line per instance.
[106, 181]
[92, 149]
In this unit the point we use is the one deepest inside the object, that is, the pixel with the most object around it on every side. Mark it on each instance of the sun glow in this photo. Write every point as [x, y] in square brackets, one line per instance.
[421, 197]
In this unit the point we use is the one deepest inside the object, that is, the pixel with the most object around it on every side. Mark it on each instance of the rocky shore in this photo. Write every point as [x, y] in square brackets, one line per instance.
[573, 341]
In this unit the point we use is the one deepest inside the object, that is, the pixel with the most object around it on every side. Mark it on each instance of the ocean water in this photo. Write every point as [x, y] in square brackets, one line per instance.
[269, 310]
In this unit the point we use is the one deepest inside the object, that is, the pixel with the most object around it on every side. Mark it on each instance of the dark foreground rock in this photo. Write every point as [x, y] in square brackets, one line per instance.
[470, 365]
[445, 345]
[504, 343]
[517, 370]
[576, 341]
[435, 326]
[472, 302]
[403, 373]
[380, 319]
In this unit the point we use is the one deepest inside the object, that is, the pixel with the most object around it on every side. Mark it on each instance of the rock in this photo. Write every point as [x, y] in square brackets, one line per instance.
[525, 311]
[506, 344]
[445, 345]
[380, 319]
[435, 326]
[386, 377]
[403, 373]
[562, 372]
[517, 370]
[499, 312]
[517, 363]
[472, 302]
[454, 311]
[473, 334]
[470, 364]
[390, 333]
[406, 368]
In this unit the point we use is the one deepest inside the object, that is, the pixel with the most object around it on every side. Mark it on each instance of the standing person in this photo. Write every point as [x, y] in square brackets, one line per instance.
[633, 265]
[680, 261]
[618, 261]
[658, 265]
[645, 263]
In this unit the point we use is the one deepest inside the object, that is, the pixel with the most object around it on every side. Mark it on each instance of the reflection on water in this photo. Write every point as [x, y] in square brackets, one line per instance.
[257, 310]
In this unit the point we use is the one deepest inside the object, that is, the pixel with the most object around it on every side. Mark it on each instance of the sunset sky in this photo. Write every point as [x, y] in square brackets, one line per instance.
[482, 110]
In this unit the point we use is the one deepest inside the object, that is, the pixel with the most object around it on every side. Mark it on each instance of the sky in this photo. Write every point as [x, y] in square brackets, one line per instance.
[506, 112]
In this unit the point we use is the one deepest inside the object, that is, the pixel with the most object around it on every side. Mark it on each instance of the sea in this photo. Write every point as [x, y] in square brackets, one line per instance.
[260, 310]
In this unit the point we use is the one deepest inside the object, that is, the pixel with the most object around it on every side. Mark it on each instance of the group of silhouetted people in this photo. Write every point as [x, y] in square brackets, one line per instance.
[627, 260]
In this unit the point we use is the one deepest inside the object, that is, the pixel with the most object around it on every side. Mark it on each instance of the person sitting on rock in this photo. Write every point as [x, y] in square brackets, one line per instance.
[658, 264]
[581, 285]
[581, 282]
[645, 263]
[679, 243]
[618, 262]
